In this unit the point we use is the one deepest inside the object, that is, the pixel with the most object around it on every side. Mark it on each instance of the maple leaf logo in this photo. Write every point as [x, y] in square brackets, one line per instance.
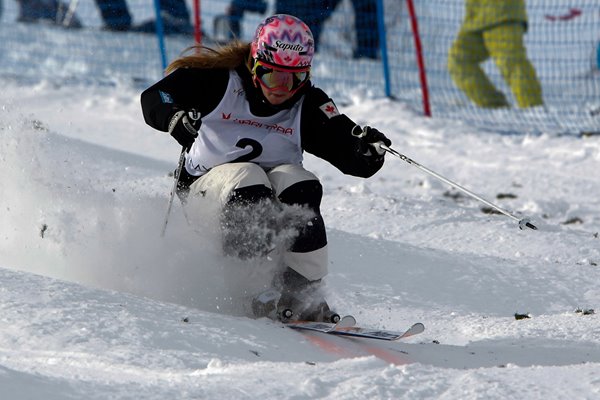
[329, 109]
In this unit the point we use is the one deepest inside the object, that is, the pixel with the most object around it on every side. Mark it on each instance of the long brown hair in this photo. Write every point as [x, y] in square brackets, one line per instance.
[229, 56]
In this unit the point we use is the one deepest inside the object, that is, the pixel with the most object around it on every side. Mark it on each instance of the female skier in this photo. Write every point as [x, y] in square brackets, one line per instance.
[244, 114]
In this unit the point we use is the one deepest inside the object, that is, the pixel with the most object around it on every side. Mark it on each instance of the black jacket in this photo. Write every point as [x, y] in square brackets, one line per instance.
[202, 89]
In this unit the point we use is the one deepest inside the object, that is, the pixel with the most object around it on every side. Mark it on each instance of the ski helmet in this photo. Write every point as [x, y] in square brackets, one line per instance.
[283, 41]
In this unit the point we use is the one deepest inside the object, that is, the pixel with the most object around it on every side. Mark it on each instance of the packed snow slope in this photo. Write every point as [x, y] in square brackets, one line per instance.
[95, 304]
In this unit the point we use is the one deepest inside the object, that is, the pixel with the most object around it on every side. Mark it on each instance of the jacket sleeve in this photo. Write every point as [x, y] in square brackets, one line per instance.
[327, 134]
[183, 89]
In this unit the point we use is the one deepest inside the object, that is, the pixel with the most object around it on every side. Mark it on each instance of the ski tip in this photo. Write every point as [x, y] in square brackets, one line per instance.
[415, 329]
[419, 326]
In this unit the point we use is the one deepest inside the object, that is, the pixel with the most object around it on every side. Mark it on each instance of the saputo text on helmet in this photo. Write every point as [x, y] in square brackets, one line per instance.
[288, 46]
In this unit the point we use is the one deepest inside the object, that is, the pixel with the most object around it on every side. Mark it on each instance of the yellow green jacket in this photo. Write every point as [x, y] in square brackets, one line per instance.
[483, 14]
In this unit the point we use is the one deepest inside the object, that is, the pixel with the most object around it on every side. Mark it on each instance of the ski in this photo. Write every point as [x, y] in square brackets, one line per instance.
[325, 327]
[380, 334]
[347, 327]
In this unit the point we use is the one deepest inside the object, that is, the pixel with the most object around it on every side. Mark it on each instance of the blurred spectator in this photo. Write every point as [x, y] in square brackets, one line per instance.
[228, 26]
[174, 13]
[175, 18]
[312, 12]
[365, 24]
[115, 14]
[48, 11]
[315, 13]
[493, 28]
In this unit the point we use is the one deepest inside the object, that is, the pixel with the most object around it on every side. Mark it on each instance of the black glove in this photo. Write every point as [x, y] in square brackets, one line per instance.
[370, 138]
[184, 127]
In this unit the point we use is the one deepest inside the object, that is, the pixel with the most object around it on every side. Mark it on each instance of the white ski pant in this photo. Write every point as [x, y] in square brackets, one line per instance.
[214, 189]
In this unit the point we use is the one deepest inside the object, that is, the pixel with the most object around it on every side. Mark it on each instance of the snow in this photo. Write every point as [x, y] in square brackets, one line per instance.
[95, 304]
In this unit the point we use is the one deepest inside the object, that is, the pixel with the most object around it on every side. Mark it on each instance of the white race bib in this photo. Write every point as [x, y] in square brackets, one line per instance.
[231, 133]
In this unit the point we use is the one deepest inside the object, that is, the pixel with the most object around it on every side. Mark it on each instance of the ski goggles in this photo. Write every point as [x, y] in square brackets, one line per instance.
[273, 78]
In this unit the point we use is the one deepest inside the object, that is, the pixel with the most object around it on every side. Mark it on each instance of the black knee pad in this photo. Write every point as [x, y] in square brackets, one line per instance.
[307, 193]
[249, 195]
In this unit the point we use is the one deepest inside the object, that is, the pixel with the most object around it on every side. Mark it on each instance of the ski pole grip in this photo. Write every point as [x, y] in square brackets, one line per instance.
[358, 132]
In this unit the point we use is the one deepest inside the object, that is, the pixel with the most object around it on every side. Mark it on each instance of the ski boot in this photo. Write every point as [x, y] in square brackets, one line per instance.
[265, 304]
[302, 300]
[293, 298]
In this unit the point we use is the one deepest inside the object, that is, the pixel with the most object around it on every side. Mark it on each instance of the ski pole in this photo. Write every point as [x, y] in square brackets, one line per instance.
[195, 117]
[68, 16]
[523, 222]
[172, 197]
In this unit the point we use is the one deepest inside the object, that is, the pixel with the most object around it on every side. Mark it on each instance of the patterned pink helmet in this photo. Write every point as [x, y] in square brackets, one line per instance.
[283, 41]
